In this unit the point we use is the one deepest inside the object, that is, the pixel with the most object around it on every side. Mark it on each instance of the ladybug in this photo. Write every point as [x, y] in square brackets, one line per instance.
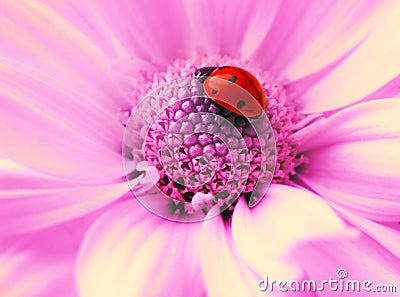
[233, 88]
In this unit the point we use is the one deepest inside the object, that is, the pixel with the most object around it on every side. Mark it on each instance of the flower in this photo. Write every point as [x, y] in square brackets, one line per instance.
[70, 76]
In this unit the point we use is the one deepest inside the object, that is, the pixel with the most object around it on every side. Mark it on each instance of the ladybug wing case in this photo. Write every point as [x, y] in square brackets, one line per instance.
[236, 90]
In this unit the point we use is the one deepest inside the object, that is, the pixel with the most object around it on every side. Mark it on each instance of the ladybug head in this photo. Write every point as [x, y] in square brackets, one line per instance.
[202, 73]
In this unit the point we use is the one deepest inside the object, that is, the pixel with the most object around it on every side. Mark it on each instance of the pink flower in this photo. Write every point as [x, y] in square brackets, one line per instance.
[69, 77]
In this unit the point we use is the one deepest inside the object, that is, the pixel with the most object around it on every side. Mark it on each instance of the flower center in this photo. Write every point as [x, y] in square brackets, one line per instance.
[210, 144]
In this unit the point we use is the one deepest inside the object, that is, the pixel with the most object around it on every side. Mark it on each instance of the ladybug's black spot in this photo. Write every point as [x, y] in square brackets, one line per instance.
[240, 104]
[214, 91]
[232, 79]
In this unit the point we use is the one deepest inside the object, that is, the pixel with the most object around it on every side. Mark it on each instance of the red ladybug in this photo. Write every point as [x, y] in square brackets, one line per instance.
[234, 88]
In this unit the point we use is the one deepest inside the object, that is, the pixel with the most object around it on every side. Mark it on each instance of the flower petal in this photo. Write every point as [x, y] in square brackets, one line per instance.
[385, 235]
[306, 36]
[258, 24]
[39, 264]
[16, 177]
[85, 17]
[130, 252]
[353, 159]
[368, 121]
[40, 92]
[41, 201]
[37, 36]
[64, 132]
[152, 30]
[370, 67]
[56, 92]
[224, 271]
[362, 258]
[221, 26]
[266, 234]
[389, 90]
[45, 144]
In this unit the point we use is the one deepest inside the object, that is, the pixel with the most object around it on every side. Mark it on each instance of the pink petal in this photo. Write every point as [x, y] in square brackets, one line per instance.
[45, 144]
[266, 234]
[65, 132]
[385, 235]
[258, 24]
[85, 17]
[388, 90]
[225, 273]
[353, 159]
[152, 30]
[37, 36]
[131, 252]
[30, 207]
[43, 94]
[301, 85]
[58, 117]
[39, 264]
[222, 26]
[16, 177]
[306, 36]
[369, 121]
[362, 258]
[369, 68]
[131, 74]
